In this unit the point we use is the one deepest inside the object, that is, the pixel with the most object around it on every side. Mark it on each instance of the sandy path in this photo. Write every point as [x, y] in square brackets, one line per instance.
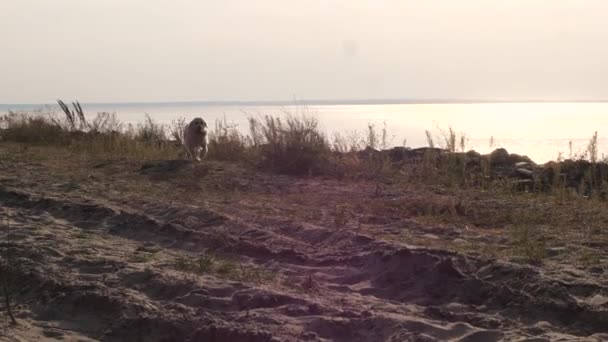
[90, 262]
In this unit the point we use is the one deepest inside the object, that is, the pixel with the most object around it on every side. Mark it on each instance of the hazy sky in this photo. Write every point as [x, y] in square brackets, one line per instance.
[152, 50]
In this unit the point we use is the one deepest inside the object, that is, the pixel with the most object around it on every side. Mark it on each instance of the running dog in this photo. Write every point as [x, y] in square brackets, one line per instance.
[195, 139]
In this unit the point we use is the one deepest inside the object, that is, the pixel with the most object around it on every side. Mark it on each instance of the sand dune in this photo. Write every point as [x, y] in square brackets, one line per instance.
[172, 251]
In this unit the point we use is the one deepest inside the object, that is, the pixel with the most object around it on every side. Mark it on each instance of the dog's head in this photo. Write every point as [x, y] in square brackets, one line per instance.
[199, 125]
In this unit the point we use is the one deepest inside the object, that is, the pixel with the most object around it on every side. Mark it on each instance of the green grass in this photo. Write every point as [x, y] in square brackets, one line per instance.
[207, 263]
[82, 235]
[140, 257]
[202, 264]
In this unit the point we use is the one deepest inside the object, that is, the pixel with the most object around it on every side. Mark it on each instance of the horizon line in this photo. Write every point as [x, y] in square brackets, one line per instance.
[327, 102]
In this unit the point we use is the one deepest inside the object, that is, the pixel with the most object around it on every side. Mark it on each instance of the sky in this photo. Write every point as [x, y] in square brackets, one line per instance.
[187, 50]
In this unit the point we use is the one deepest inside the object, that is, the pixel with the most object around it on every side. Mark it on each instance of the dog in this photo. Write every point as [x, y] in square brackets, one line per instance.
[195, 139]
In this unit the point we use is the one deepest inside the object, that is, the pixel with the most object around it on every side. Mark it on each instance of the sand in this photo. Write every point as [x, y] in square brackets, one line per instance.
[95, 249]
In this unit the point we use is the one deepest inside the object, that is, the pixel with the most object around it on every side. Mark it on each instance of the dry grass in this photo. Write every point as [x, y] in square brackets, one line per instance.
[292, 145]
[517, 224]
[176, 130]
[226, 142]
[207, 263]
[31, 128]
[104, 136]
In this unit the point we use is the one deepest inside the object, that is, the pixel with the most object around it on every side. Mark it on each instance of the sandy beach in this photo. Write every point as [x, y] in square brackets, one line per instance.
[128, 250]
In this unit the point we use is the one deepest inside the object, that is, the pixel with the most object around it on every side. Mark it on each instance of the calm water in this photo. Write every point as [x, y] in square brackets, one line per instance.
[539, 130]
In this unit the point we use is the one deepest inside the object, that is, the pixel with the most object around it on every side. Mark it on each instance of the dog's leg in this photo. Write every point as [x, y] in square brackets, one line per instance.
[204, 151]
[197, 153]
[189, 154]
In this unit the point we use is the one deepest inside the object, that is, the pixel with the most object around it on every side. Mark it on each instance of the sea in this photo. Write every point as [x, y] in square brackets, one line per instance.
[543, 131]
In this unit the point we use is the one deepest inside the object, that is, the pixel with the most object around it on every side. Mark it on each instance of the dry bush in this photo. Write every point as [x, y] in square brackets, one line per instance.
[226, 142]
[75, 118]
[293, 144]
[377, 140]
[31, 128]
[350, 142]
[149, 131]
[176, 130]
[105, 123]
[105, 135]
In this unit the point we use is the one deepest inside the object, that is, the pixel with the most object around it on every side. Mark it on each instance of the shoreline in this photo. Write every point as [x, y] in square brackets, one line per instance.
[411, 126]
[314, 102]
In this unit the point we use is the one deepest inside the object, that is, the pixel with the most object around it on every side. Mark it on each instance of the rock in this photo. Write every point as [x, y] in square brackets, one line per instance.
[523, 184]
[524, 172]
[598, 301]
[500, 157]
[522, 165]
[516, 158]
[473, 155]
[555, 251]
[540, 328]
[430, 236]
[399, 153]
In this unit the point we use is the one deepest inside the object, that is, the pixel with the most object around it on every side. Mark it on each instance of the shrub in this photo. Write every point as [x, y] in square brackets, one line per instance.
[31, 128]
[294, 145]
[291, 144]
[226, 142]
[149, 131]
[176, 130]
[104, 135]
[75, 119]
[105, 123]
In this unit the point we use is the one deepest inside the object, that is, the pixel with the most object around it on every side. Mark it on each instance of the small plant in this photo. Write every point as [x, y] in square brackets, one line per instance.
[348, 142]
[75, 118]
[140, 257]
[293, 144]
[589, 257]
[385, 142]
[150, 131]
[463, 143]
[226, 267]
[81, 235]
[372, 137]
[449, 138]
[592, 149]
[226, 142]
[429, 139]
[209, 264]
[105, 123]
[176, 130]
[529, 242]
[254, 274]
[202, 264]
